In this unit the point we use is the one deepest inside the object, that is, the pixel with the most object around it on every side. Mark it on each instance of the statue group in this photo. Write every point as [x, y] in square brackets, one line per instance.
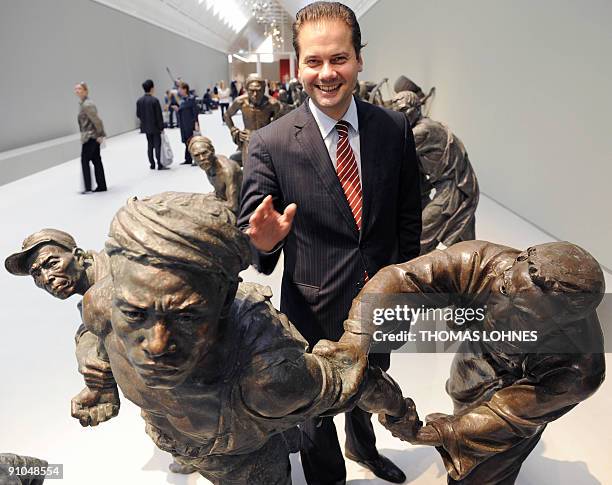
[224, 380]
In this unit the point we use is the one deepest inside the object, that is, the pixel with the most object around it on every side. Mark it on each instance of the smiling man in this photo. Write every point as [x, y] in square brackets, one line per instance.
[335, 186]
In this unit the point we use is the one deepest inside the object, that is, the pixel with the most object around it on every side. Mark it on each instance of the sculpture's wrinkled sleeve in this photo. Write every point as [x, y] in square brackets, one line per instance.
[439, 277]
[552, 386]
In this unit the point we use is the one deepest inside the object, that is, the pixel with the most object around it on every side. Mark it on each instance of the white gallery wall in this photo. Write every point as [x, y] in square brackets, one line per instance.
[46, 47]
[527, 86]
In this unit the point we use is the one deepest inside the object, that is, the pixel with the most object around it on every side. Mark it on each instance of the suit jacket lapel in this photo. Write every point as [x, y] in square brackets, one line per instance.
[312, 145]
[368, 136]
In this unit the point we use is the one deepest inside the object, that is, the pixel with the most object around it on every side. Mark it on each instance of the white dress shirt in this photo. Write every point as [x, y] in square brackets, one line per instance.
[327, 126]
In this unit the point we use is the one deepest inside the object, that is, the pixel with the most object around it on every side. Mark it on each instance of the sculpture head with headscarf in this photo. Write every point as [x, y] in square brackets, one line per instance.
[175, 259]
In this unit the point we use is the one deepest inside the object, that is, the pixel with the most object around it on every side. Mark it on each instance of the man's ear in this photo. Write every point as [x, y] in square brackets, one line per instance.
[360, 62]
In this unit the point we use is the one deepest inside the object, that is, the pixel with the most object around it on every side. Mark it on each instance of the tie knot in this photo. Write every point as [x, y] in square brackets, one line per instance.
[342, 128]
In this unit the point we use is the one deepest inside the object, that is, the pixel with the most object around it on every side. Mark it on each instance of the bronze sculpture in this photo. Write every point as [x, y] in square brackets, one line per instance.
[225, 175]
[403, 83]
[258, 110]
[21, 470]
[503, 396]
[449, 216]
[221, 377]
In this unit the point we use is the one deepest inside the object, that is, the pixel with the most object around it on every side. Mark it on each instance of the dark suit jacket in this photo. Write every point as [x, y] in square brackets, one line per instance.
[149, 113]
[324, 254]
[187, 117]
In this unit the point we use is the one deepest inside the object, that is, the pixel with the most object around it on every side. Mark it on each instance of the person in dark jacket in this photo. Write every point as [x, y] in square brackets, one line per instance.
[187, 119]
[148, 111]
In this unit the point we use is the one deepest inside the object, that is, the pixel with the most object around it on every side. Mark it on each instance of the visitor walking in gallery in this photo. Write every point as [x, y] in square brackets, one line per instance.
[224, 98]
[148, 111]
[187, 118]
[92, 136]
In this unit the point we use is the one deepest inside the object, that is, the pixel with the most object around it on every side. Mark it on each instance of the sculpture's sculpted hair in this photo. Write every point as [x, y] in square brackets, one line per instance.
[254, 78]
[569, 272]
[322, 11]
[194, 232]
[201, 140]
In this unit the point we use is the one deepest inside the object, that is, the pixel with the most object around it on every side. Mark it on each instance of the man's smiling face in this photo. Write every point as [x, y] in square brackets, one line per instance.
[328, 65]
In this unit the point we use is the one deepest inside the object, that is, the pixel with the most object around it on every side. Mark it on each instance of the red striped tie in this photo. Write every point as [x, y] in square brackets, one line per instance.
[348, 173]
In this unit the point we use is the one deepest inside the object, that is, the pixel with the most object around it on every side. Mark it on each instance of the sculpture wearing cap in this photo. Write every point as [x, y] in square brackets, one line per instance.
[450, 216]
[221, 377]
[61, 268]
[504, 392]
[258, 110]
[225, 175]
[56, 264]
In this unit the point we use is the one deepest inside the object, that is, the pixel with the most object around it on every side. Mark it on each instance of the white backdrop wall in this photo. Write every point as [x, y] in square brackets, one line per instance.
[46, 47]
[527, 86]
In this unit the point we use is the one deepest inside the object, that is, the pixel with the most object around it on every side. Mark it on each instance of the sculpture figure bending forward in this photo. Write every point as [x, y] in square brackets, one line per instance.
[504, 396]
[449, 216]
[224, 175]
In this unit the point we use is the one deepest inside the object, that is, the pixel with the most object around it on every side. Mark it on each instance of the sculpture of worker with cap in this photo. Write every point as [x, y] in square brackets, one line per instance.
[60, 267]
[221, 377]
[224, 175]
[258, 110]
[450, 216]
[506, 391]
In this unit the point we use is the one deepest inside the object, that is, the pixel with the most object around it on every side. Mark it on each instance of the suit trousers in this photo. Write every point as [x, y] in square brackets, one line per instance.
[154, 143]
[321, 455]
[90, 152]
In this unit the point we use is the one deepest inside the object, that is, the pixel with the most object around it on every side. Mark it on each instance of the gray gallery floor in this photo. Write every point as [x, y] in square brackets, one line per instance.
[37, 351]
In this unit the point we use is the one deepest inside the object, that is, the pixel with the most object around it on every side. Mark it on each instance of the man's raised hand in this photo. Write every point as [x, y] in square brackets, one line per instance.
[268, 227]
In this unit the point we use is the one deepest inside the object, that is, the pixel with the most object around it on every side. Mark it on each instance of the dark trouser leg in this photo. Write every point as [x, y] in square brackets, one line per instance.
[150, 150]
[171, 115]
[157, 147]
[187, 154]
[360, 438]
[98, 168]
[222, 106]
[85, 157]
[322, 458]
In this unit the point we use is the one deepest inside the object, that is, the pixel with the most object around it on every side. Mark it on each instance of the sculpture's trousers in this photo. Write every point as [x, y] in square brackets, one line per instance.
[500, 469]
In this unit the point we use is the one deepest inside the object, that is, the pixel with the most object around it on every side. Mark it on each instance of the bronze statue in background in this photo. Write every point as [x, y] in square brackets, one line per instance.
[258, 110]
[224, 175]
[221, 377]
[449, 216]
[504, 397]
[405, 84]
[284, 101]
[298, 95]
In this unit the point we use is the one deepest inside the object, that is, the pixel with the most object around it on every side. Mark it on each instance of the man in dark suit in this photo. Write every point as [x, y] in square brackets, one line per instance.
[335, 185]
[148, 111]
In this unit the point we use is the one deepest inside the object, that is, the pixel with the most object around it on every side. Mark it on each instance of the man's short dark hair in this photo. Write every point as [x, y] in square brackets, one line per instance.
[319, 11]
[185, 86]
[147, 86]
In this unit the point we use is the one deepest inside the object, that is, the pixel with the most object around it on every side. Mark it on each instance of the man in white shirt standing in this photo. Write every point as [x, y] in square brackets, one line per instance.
[334, 185]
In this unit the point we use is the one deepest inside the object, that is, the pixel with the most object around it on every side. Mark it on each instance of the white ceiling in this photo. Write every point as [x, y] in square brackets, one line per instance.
[220, 24]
